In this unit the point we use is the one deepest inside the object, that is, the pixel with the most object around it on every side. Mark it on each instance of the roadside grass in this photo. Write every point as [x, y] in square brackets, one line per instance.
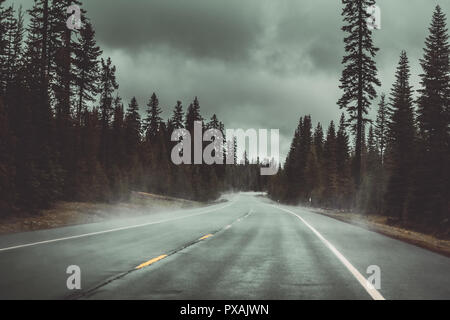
[73, 213]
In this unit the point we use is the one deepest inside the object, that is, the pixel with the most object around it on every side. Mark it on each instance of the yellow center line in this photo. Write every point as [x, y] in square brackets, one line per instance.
[205, 237]
[149, 262]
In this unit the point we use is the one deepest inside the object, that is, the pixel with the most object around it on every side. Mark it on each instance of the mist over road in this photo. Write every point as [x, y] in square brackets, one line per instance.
[247, 248]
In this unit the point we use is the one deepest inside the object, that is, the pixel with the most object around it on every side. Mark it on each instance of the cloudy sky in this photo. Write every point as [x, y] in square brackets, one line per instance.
[255, 63]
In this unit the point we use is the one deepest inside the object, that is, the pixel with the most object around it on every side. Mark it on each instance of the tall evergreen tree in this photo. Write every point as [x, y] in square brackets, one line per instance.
[214, 123]
[343, 177]
[39, 177]
[315, 168]
[41, 44]
[4, 14]
[118, 133]
[381, 127]
[86, 68]
[360, 73]
[64, 52]
[108, 85]
[193, 114]
[10, 45]
[15, 34]
[401, 142]
[318, 140]
[177, 121]
[34, 59]
[292, 165]
[433, 184]
[370, 195]
[302, 156]
[133, 142]
[372, 149]
[153, 120]
[133, 126]
[330, 167]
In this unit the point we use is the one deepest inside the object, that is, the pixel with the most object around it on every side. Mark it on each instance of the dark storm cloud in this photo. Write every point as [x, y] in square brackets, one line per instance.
[201, 28]
[281, 36]
[312, 31]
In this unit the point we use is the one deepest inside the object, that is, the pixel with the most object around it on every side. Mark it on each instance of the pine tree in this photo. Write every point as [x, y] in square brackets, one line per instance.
[132, 144]
[381, 132]
[302, 156]
[64, 51]
[330, 167]
[316, 162]
[118, 133]
[92, 180]
[318, 140]
[61, 50]
[313, 179]
[372, 148]
[343, 165]
[214, 123]
[15, 85]
[193, 114]
[10, 45]
[433, 184]
[108, 85]
[381, 127]
[11, 29]
[370, 195]
[35, 56]
[86, 68]
[177, 116]
[41, 47]
[360, 73]
[133, 127]
[401, 142]
[4, 13]
[153, 121]
[372, 151]
[292, 165]
[39, 176]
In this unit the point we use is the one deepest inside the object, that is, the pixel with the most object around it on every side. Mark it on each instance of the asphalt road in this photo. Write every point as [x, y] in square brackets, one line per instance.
[247, 248]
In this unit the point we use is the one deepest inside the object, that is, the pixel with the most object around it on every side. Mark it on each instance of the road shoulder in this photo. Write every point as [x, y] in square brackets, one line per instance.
[379, 225]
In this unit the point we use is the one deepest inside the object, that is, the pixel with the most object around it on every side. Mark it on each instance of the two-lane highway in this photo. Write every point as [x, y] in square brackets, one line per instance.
[248, 248]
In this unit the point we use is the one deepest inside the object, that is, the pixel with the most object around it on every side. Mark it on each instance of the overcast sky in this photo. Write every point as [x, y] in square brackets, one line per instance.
[255, 63]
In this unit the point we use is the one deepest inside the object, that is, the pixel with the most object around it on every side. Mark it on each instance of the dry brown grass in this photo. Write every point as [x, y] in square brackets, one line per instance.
[73, 213]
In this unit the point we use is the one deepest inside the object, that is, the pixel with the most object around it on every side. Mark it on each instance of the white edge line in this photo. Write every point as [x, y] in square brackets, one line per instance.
[374, 293]
[111, 230]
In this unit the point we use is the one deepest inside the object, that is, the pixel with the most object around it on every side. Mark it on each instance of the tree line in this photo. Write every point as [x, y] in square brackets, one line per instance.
[398, 165]
[66, 133]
